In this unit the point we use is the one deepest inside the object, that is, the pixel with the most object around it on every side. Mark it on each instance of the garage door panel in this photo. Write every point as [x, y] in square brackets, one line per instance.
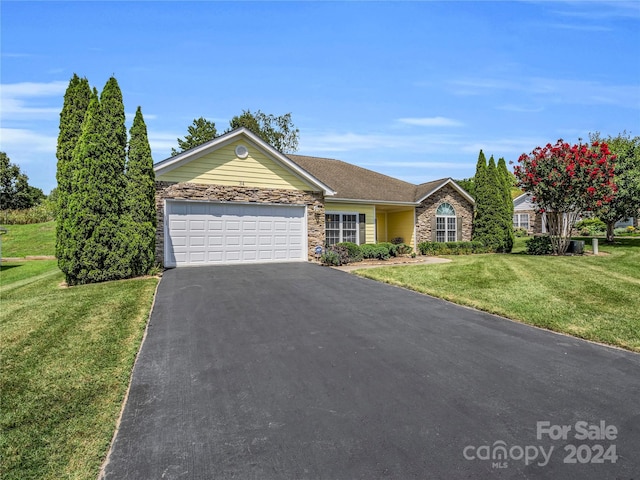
[201, 233]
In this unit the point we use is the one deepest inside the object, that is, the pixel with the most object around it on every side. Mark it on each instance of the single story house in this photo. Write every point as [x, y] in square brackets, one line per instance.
[525, 215]
[236, 199]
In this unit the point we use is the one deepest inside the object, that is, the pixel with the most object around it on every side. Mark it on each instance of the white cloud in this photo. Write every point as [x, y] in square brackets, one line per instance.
[431, 122]
[18, 100]
[18, 141]
[554, 90]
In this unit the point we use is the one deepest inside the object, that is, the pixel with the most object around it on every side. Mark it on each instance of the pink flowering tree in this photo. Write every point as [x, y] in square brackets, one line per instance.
[566, 181]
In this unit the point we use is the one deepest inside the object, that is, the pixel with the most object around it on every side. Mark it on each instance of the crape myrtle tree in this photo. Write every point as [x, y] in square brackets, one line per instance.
[566, 181]
[626, 202]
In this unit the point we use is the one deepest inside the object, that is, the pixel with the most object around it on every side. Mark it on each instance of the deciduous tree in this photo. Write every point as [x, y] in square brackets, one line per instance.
[15, 191]
[626, 202]
[201, 131]
[279, 132]
[565, 181]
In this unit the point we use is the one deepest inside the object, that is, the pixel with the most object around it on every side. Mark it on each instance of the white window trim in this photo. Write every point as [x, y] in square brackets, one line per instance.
[446, 223]
[519, 221]
[357, 214]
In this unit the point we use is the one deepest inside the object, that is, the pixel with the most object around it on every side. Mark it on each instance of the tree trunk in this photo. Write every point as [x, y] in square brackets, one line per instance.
[610, 226]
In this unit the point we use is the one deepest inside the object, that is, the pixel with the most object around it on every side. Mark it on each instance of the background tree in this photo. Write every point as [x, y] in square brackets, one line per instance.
[74, 109]
[626, 202]
[201, 131]
[15, 191]
[469, 185]
[279, 132]
[506, 180]
[140, 200]
[565, 181]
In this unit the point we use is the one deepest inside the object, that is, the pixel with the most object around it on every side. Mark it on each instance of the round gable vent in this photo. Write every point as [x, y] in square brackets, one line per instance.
[242, 151]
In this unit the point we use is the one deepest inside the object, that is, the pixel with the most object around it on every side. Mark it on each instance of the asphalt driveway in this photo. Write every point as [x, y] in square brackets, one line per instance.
[296, 371]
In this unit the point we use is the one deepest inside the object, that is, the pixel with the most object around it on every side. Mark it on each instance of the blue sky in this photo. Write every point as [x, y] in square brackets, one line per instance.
[409, 89]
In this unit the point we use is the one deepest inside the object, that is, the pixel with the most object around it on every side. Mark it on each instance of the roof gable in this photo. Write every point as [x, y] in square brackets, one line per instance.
[220, 161]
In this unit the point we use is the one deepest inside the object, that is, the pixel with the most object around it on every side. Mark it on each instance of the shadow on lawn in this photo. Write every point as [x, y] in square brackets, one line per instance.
[7, 267]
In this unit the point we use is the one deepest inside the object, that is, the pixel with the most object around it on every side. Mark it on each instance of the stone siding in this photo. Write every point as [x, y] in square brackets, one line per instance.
[426, 212]
[219, 193]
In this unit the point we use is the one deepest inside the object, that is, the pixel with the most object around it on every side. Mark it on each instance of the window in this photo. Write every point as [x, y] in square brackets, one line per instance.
[445, 223]
[521, 220]
[341, 227]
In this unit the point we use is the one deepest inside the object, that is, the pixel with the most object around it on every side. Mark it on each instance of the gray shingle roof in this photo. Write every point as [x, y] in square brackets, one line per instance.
[357, 183]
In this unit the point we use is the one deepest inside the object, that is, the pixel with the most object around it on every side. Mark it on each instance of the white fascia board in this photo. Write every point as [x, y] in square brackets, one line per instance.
[165, 166]
[457, 187]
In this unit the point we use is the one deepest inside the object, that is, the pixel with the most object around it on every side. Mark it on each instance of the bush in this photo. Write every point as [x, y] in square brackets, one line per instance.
[376, 251]
[329, 257]
[620, 231]
[392, 249]
[591, 226]
[404, 249]
[539, 245]
[631, 229]
[397, 240]
[452, 248]
[520, 232]
[43, 212]
[354, 252]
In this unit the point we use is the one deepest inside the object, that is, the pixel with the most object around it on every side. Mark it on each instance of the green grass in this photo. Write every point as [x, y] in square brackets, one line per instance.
[34, 239]
[595, 298]
[67, 355]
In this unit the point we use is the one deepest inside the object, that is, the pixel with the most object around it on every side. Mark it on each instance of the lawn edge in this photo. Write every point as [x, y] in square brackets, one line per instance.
[107, 458]
[513, 320]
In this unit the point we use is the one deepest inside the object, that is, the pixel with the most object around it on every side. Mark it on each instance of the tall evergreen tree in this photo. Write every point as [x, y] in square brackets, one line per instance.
[140, 199]
[102, 236]
[74, 109]
[505, 180]
[201, 131]
[488, 226]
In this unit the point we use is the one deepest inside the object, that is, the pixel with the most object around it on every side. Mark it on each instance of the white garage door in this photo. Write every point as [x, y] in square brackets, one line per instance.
[205, 233]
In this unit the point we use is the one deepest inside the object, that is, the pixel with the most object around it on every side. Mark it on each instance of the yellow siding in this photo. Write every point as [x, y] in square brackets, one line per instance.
[223, 167]
[368, 211]
[381, 226]
[400, 224]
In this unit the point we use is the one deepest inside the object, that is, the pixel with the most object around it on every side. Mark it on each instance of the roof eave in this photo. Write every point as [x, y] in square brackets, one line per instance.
[445, 182]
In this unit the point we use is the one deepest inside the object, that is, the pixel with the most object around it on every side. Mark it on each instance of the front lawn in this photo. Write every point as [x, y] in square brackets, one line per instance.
[32, 239]
[67, 355]
[589, 297]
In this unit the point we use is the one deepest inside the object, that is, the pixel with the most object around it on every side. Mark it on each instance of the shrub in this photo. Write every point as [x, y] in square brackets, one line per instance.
[620, 231]
[392, 249]
[354, 252]
[631, 229]
[591, 226]
[397, 240]
[520, 232]
[404, 249]
[376, 251]
[43, 212]
[539, 245]
[329, 257]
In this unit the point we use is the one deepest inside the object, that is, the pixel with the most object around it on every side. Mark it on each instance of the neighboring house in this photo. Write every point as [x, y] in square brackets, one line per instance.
[525, 215]
[236, 199]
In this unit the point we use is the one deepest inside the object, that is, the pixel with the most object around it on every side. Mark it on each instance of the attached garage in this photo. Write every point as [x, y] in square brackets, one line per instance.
[210, 233]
